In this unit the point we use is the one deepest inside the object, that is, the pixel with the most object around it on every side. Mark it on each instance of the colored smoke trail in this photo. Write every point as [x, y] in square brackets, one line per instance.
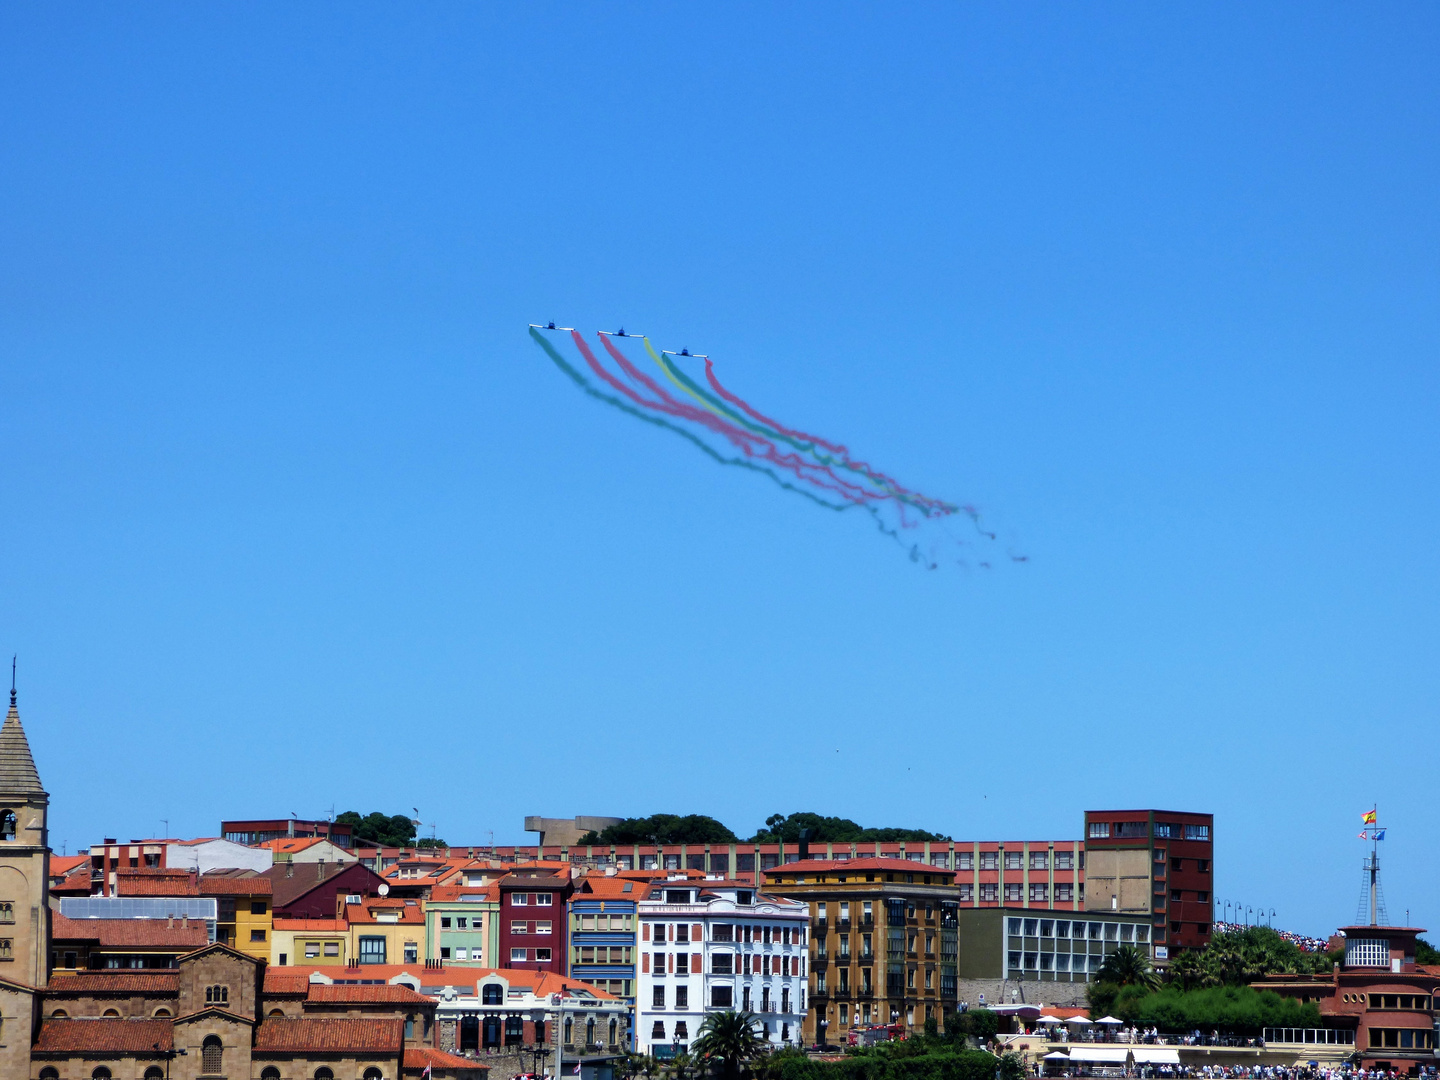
[733, 433]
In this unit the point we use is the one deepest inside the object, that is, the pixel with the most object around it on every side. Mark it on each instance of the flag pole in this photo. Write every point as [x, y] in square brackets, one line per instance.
[1374, 861]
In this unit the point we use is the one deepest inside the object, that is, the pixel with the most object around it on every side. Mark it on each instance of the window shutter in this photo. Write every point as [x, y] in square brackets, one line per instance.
[671, 962]
[645, 962]
[777, 965]
[697, 932]
[695, 963]
[645, 931]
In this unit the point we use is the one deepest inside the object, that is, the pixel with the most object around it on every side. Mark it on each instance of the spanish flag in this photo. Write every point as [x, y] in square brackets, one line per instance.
[1368, 817]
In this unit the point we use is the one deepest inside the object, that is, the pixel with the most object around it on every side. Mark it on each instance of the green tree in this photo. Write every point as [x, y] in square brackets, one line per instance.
[980, 1024]
[1128, 966]
[1425, 953]
[785, 829]
[664, 828]
[729, 1040]
[431, 842]
[382, 829]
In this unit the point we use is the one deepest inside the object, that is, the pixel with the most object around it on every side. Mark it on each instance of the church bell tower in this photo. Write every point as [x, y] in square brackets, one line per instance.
[24, 858]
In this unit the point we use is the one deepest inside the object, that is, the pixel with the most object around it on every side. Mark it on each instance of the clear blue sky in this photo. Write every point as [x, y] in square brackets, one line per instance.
[295, 515]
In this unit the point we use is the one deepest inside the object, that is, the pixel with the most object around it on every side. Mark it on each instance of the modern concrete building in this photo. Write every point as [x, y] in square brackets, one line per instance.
[1156, 863]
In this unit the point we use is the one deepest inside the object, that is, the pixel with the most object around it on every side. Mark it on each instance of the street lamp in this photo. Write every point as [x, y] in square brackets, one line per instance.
[1272, 916]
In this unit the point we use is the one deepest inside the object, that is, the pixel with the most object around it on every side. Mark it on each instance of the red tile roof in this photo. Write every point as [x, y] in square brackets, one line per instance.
[114, 981]
[285, 980]
[63, 864]
[418, 1057]
[115, 1036]
[447, 894]
[368, 913]
[308, 1035]
[618, 887]
[314, 926]
[324, 993]
[155, 883]
[136, 933]
[246, 883]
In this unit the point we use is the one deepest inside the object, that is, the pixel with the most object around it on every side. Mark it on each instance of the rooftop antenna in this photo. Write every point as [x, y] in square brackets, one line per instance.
[1370, 876]
[12, 680]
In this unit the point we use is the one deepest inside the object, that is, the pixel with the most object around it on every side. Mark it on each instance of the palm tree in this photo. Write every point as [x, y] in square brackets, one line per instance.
[730, 1040]
[1128, 966]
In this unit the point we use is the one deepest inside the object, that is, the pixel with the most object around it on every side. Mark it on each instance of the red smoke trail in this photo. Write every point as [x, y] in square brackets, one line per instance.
[745, 440]
[933, 505]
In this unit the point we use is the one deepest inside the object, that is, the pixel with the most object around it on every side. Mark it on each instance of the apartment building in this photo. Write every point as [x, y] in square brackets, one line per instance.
[885, 941]
[712, 945]
[533, 931]
[1019, 945]
[1156, 863]
[604, 932]
[462, 925]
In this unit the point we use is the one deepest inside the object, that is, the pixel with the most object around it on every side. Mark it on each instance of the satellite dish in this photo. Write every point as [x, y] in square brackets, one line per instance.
[384, 889]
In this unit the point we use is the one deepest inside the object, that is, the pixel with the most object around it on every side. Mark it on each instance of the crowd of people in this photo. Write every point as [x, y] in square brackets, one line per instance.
[1249, 1072]
[1300, 941]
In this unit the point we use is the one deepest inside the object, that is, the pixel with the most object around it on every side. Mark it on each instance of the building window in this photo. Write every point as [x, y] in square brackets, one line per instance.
[444, 922]
[964, 860]
[989, 860]
[1367, 952]
[989, 891]
[1197, 832]
[657, 1033]
[967, 892]
[1039, 892]
[1039, 860]
[544, 899]
[412, 952]
[332, 948]
[217, 995]
[1099, 830]
[1014, 860]
[492, 994]
[940, 859]
[257, 935]
[270, 1072]
[1013, 892]
[312, 950]
[519, 956]
[1064, 893]
[1064, 860]
[212, 1052]
[7, 824]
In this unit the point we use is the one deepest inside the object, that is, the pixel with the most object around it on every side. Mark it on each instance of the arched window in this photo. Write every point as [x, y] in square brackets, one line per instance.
[154, 1072]
[162, 1012]
[58, 1014]
[109, 1013]
[49, 1073]
[492, 994]
[270, 1072]
[212, 1053]
[323, 1073]
[7, 827]
[590, 1030]
[373, 1073]
[612, 1031]
[217, 995]
[100, 1073]
[277, 1012]
[569, 1030]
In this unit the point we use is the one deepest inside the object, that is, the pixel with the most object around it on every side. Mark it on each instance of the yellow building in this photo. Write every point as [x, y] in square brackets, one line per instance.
[310, 941]
[243, 898]
[386, 930]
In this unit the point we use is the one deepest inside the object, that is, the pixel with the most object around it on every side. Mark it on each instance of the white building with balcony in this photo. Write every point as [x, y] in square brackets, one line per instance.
[712, 945]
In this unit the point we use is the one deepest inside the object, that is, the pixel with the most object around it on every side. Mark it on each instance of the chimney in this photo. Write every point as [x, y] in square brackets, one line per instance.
[289, 869]
[170, 922]
[320, 870]
[184, 922]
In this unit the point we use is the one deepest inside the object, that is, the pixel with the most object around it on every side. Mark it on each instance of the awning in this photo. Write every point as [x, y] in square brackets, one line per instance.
[1156, 1055]
[1115, 1055]
[1049, 1020]
[1078, 1020]
[1057, 1054]
[1109, 1020]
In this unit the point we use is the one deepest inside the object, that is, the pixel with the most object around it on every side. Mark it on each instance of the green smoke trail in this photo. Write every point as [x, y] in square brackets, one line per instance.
[585, 385]
[760, 429]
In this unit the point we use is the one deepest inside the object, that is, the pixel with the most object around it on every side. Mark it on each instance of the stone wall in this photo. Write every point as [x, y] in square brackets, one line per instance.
[1027, 992]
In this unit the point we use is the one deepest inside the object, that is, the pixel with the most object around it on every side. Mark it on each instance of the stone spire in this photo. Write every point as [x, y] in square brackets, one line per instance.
[17, 768]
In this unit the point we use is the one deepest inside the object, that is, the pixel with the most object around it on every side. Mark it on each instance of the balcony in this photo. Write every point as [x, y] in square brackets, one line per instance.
[819, 925]
[842, 925]
[843, 994]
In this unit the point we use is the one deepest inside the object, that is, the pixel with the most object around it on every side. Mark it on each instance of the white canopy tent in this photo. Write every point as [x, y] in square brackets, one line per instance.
[1107, 1055]
[1078, 1020]
[1109, 1020]
[1057, 1054]
[1049, 1020]
[1156, 1055]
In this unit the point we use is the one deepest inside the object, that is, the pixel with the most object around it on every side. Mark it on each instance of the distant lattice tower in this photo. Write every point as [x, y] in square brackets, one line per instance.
[24, 858]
